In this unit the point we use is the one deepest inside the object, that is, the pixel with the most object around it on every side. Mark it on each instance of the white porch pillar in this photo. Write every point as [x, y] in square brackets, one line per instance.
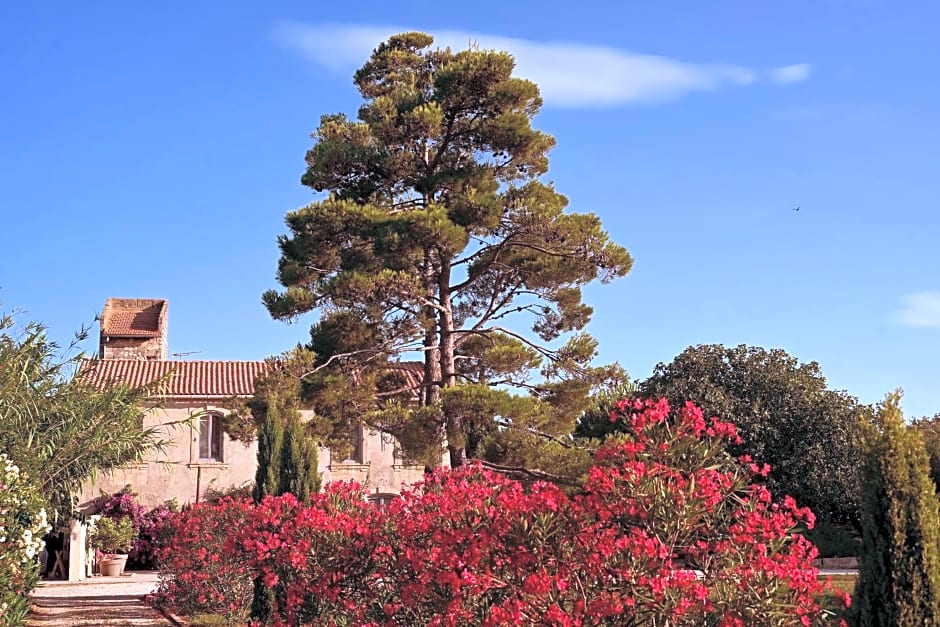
[76, 551]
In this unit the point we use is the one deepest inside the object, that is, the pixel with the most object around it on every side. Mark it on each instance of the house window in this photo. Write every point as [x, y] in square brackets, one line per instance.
[381, 500]
[357, 452]
[210, 437]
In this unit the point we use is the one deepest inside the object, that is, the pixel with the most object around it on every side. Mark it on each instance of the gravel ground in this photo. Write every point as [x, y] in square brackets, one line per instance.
[104, 601]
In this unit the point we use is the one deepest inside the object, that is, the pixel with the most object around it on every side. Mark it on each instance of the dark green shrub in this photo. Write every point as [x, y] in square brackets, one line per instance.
[899, 579]
[834, 540]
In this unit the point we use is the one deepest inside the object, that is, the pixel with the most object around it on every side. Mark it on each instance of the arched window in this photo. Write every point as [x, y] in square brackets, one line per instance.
[210, 436]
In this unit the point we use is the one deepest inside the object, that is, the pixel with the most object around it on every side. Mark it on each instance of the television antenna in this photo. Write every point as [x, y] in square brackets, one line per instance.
[185, 354]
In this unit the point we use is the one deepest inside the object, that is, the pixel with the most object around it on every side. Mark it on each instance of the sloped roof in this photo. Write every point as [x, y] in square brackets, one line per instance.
[133, 317]
[201, 379]
[413, 373]
[187, 379]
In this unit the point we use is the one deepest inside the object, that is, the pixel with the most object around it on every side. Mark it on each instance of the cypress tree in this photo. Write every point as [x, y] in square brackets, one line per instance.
[287, 462]
[287, 449]
[899, 580]
[270, 444]
[298, 469]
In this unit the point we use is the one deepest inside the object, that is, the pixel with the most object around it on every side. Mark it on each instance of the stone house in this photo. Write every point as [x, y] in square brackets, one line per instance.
[187, 408]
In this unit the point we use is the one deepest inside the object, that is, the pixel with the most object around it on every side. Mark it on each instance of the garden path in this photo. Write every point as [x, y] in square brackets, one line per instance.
[100, 601]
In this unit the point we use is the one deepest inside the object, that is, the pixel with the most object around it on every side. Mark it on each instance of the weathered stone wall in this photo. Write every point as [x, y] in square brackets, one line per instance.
[179, 474]
[380, 472]
[143, 348]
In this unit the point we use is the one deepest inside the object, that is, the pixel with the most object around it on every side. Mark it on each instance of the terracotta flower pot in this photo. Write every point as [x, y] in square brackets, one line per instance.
[112, 564]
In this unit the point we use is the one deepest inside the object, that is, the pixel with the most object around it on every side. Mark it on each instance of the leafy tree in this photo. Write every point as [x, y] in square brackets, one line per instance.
[929, 429]
[438, 236]
[60, 430]
[899, 578]
[785, 414]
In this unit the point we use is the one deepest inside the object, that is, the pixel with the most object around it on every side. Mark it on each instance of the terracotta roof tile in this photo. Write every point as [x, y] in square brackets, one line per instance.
[199, 379]
[132, 317]
[187, 379]
[413, 372]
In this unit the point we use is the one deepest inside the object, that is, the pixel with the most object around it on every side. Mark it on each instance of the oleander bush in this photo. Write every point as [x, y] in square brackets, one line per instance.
[199, 571]
[669, 528]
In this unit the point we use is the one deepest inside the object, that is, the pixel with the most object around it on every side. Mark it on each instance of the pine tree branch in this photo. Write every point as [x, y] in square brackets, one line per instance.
[521, 472]
[546, 436]
[495, 306]
[374, 351]
[552, 355]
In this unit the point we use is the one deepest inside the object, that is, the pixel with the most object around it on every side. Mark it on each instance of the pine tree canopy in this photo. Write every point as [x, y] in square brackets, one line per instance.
[435, 239]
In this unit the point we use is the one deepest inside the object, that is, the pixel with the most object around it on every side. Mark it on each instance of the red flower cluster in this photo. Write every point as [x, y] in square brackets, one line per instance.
[667, 530]
[198, 574]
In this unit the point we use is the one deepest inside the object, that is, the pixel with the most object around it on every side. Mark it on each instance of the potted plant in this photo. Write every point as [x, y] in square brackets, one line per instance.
[112, 538]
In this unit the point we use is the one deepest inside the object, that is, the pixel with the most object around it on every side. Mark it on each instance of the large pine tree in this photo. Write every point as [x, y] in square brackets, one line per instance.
[899, 579]
[438, 241]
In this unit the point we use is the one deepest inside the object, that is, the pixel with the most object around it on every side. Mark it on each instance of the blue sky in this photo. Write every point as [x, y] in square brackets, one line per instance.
[152, 150]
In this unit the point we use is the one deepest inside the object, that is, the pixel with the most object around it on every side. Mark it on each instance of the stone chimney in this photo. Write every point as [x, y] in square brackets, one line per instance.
[133, 328]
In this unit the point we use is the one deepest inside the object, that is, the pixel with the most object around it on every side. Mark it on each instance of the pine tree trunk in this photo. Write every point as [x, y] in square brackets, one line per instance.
[432, 365]
[454, 428]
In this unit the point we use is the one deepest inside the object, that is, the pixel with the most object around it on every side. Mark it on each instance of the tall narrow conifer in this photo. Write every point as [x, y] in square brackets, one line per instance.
[270, 445]
[899, 580]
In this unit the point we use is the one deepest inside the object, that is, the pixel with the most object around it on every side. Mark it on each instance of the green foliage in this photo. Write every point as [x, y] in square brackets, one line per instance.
[60, 430]
[287, 449]
[832, 540]
[929, 429]
[270, 445]
[595, 423]
[208, 620]
[112, 535]
[291, 468]
[436, 235]
[784, 413]
[899, 578]
[298, 468]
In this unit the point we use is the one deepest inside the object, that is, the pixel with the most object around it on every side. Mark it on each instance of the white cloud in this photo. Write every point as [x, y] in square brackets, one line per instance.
[921, 309]
[568, 74]
[791, 73]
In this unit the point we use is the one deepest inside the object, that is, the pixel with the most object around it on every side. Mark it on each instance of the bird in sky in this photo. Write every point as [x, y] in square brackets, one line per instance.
[797, 208]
